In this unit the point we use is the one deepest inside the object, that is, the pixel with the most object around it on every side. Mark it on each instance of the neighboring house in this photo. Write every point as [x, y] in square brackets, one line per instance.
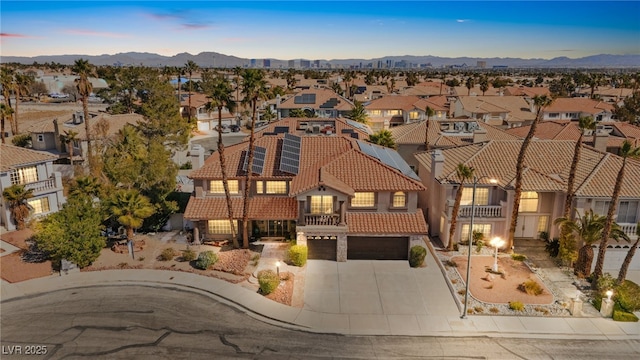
[34, 170]
[344, 198]
[607, 137]
[544, 188]
[427, 89]
[322, 103]
[501, 111]
[528, 92]
[393, 110]
[410, 138]
[607, 94]
[575, 108]
[206, 119]
[47, 135]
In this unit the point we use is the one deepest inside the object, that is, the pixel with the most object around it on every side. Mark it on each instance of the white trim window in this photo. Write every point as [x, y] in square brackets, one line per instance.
[221, 226]
[216, 187]
[24, 175]
[399, 199]
[321, 204]
[39, 205]
[275, 187]
[363, 200]
[528, 201]
[485, 229]
[482, 196]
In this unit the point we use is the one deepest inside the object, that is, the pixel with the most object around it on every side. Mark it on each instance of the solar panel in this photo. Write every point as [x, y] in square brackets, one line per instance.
[402, 165]
[259, 156]
[389, 157]
[355, 135]
[367, 149]
[281, 129]
[347, 131]
[305, 99]
[290, 156]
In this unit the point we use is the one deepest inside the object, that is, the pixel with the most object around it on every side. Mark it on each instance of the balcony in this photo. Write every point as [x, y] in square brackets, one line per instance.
[41, 186]
[481, 211]
[321, 220]
[629, 229]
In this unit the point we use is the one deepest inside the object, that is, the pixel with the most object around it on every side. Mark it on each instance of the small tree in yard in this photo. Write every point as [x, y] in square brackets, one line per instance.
[72, 233]
[17, 196]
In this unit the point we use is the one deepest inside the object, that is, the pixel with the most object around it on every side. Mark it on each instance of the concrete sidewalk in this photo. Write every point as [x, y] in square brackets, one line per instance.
[344, 298]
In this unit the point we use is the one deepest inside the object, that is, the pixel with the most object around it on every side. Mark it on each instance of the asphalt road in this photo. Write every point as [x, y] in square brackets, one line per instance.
[143, 322]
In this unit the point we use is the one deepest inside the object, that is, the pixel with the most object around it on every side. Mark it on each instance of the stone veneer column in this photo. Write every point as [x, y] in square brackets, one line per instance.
[341, 248]
[343, 213]
[301, 238]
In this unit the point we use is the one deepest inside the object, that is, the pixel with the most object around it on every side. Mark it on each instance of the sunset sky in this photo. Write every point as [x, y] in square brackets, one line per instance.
[322, 29]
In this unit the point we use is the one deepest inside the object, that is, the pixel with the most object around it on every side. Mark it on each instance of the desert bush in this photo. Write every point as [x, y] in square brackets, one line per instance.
[462, 292]
[454, 281]
[450, 263]
[516, 305]
[268, 281]
[605, 282]
[417, 255]
[478, 309]
[298, 255]
[206, 259]
[519, 257]
[494, 310]
[628, 296]
[531, 287]
[189, 255]
[621, 315]
[255, 257]
[552, 247]
[123, 265]
[167, 254]
[141, 258]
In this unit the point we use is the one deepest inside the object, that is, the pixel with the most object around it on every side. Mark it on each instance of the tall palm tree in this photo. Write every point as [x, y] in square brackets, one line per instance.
[130, 208]
[7, 81]
[348, 77]
[627, 151]
[429, 112]
[254, 87]
[68, 138]
[585, 123]
[86, 185]
[84, 70]
[17, 196]
[220, 92]
[5, 112]
[190, 67]
[541, 102]
[622, 275]
[470, 83]
[464, 173]
[21, 87]
[588, 229]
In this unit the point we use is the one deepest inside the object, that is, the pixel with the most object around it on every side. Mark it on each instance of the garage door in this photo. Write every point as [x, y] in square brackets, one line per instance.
[320, 249]
[377, 248]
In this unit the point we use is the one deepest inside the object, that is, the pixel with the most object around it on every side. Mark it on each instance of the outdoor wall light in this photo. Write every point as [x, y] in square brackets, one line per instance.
[496, 242]
[609, 293]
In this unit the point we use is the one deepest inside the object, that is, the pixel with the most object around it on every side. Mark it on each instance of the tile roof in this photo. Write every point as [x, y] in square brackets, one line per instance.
[568, 130]
[413, 133]
[14, 157]
[516, 106]
[260, 208]
[115, 122]
[526, 91]
[547, 162]
[293, 124]
[322, 96]
[386, 223]
[582, 105]
[393, 102]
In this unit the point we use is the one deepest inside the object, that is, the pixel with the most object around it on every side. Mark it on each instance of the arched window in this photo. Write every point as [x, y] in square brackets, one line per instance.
[399, 199]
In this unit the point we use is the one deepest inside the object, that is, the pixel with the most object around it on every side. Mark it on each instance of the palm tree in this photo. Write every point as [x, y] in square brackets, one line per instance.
[6, 79]
[5, 112]
[68, 138]
[464, 173]
[83, 69]
[541, 102]
[627, 151]
[622, 275]
[22, 84]
[86, 185]
[429, 112]
[588, 229]
[189, 68]
[348, 77]
[17, 196]
[358, 113]
[383, 138]
[220, 91]
[254, 87]
[470, 83]
[484, 84]
[130, 209]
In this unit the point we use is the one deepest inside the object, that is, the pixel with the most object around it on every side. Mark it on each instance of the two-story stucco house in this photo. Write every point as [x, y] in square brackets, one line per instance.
[319, 102]
[341, 196]
[34, 170]
[575, 108]
[503, 111]
[393, 110]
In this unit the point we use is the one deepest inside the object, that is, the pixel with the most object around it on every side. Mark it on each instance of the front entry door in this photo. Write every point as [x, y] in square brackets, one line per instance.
[527, 226]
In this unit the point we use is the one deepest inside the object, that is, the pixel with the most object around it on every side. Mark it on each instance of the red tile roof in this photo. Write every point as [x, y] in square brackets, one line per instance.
[260, 208]
[386, 223]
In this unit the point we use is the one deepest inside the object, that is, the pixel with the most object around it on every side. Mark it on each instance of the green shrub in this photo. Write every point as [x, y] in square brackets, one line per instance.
[621, 315]
[531, 287]
[22, 140]
[552, 247]
[268, 281]
[516, 305]
[206, 259]
[167, 254]
[417, 255]
[628, 296]
[188, 255]
[519, 257]
[186, 166]
[298, 255]
[597, 303]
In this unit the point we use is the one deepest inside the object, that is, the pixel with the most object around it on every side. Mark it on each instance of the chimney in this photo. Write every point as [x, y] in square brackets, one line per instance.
[78, 118]
[197, 156]
[437, 163]
[480, 135]
[600, 139]
[56, 134]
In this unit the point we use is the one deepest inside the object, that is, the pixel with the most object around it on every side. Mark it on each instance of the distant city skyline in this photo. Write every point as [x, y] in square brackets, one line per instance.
[322, 29]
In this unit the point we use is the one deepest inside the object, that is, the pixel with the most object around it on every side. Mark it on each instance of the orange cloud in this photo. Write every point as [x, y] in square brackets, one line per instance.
[9, 35]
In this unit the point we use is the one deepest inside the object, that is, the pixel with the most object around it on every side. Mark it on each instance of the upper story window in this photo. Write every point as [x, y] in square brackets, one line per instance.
[414, 115]
[39, 205]
[363, 199]
[393, 112]
[24, 175]
[375, 112]
[271, 187]
[553, 115]
[216, 187]
[482, 196]
[528, 201]
[40, 137]
[321, 204]
[399, 199]
[627, 210]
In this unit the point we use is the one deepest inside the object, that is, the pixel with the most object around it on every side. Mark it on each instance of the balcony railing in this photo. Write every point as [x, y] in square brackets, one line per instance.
[481, 211]
[322, 220]
[42, 185]
[629, 229]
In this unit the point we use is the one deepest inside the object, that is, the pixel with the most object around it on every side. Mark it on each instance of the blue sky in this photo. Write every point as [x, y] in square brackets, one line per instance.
[322, 29]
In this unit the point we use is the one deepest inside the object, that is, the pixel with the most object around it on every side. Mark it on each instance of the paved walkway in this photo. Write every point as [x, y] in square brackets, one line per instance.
[345, 298]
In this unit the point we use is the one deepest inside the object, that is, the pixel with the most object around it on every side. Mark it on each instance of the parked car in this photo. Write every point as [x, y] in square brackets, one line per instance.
[261, 124]
[234, 128]
[225, 129]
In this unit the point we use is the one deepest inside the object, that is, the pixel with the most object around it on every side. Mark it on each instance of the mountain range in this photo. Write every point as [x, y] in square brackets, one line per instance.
[214, 59]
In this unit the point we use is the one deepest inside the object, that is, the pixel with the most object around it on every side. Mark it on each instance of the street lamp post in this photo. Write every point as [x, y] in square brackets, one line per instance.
[473, 212]
[496, 242]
